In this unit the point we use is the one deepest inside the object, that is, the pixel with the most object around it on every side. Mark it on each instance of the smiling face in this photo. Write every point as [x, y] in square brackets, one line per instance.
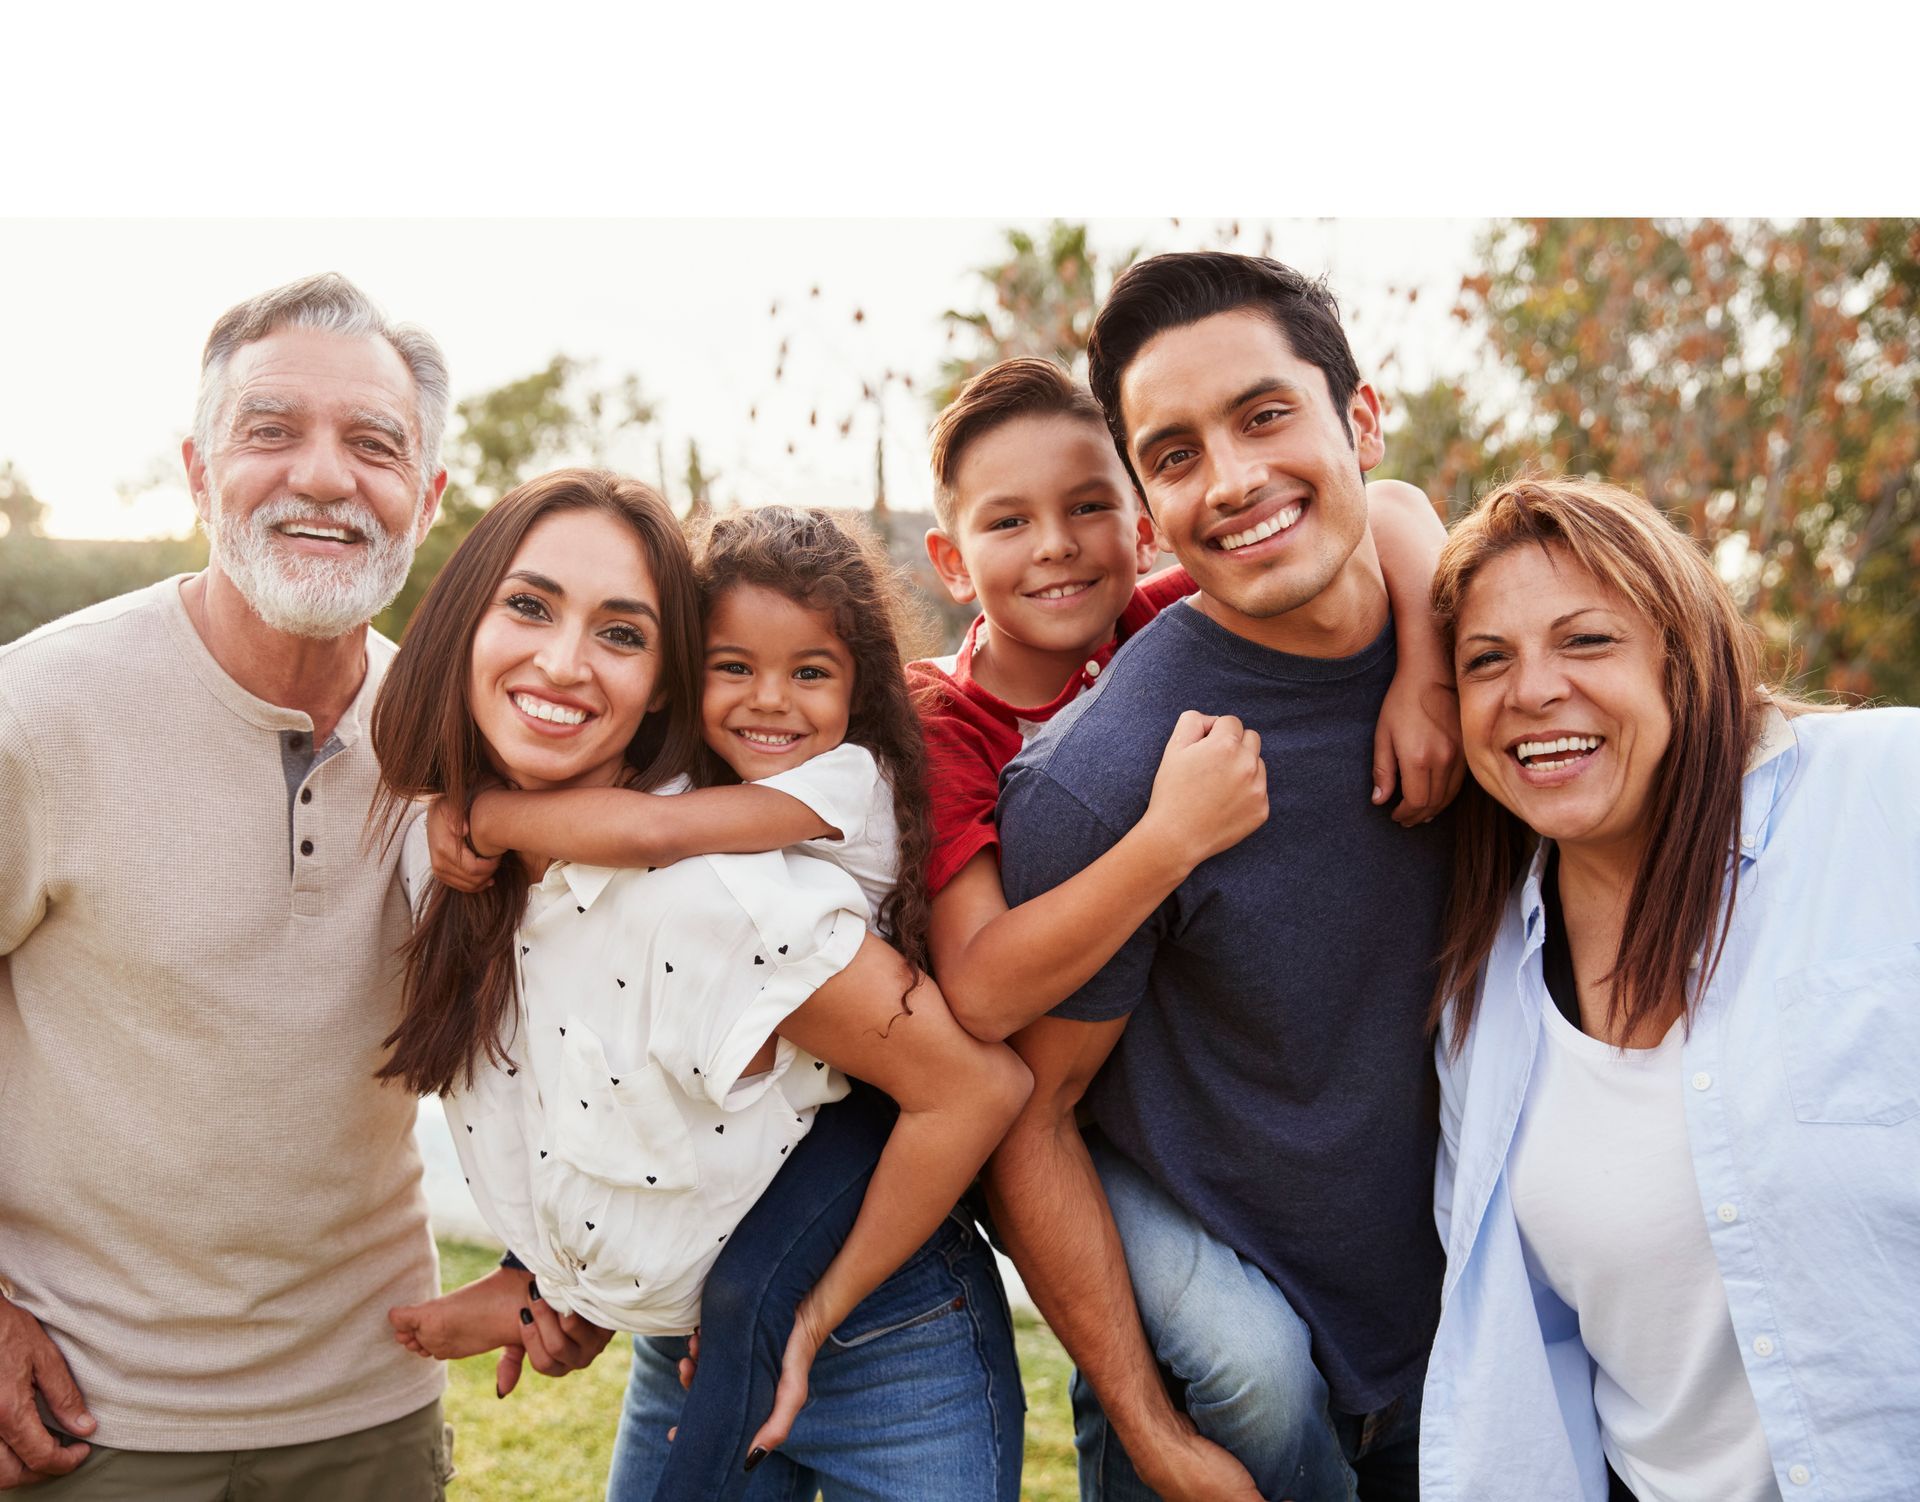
[566, 659]
[778, 689]
[1047, 535]
[1563, 702]
[313, 494]
[1252, 477]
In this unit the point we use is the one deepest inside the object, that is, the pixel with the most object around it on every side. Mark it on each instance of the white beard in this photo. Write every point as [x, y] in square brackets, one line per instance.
[321, 598]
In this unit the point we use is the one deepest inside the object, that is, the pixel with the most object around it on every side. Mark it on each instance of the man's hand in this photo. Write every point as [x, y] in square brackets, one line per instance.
[29, 1363]
[1183, 1466]
[1416, 745]
[1211, 790]
[455, 863]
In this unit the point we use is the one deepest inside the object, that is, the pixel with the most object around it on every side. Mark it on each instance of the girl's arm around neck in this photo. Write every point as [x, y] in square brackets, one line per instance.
[620, 827]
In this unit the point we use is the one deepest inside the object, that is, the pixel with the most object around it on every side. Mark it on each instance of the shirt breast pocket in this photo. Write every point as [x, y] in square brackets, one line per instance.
[1851, 1033]
[620, 1128]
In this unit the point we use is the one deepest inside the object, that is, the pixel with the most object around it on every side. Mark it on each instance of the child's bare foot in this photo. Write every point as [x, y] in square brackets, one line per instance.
[483, 1316]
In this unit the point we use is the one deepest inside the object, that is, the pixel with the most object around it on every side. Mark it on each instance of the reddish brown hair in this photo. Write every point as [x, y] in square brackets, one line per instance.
[1681, 903]
[460, 989]
[837, 565]
[1025, 387]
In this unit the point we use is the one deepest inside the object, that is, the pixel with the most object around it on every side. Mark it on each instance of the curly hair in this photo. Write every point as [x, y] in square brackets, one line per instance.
[836, 564]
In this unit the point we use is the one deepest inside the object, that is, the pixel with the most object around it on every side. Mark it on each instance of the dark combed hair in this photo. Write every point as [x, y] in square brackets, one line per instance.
[1023, 387]
[460, 989]
[1680, 905]
[1172, 291]
[836, 564]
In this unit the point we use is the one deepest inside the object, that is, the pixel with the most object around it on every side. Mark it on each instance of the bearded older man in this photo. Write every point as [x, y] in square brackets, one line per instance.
[206, 1202]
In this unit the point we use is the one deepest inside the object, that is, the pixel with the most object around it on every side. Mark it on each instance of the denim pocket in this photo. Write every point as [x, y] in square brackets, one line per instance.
[922, 1291]
[1850, 1031]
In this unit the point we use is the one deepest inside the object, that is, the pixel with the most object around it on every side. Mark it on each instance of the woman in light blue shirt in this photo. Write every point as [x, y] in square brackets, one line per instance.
[1679, 1041]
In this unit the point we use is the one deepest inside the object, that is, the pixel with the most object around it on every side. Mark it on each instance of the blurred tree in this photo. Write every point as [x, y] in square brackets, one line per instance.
[509, 434]
[1761, 381]
[20, 509]
[1042, 301]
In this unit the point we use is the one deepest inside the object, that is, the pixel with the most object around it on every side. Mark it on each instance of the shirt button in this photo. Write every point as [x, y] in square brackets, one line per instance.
[306, 795]
[1727, 1213]
[306, 847]
[1702, 1080]
[1694, 963]
[1799, 1475]
[1093, 669]
[1746, 842]
[1762, 1346]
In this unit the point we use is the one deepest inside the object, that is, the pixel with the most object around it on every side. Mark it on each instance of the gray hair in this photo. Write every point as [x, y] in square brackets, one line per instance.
[331, 303]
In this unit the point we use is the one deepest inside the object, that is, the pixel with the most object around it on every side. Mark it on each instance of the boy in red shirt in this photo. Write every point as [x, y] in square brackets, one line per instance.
[1040, 523]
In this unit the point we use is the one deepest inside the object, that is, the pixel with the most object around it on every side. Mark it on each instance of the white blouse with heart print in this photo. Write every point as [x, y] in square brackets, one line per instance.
[619, 1146]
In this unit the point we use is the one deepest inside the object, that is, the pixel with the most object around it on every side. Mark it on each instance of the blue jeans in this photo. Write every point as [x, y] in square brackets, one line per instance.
[1241, 1360]
[915, 1398]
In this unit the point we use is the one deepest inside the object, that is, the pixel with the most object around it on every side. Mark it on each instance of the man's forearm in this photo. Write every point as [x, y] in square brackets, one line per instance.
[1050, 1208]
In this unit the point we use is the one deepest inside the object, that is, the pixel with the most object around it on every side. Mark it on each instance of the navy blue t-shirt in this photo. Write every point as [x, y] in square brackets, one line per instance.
[1275, 1076]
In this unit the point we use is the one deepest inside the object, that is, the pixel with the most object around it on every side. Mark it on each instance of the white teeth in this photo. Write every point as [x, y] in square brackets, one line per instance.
[1579, 745]
[1278, 522]
[764, 738]
[1059, 592]
[540, 709]
[325, 534]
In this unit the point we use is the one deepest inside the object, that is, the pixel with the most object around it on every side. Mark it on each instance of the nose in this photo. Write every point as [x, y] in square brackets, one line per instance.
[1053, 540]
[318, 470]
[1536, 682]
[769, 691]
[563, 656]
[1236, 473]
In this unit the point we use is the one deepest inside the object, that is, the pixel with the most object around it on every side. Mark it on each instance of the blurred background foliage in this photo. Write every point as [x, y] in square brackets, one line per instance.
[1760, 380]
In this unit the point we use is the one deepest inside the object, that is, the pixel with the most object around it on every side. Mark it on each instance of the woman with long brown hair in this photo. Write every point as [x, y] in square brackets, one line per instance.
[1678, 1040]
[629, 1055]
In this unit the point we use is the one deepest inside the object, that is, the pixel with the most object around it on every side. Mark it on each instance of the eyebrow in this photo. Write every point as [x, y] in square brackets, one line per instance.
[1279, 385]
[1554, 625]
[258, 405]
[380, 422]
[720, 647]
[615, 606]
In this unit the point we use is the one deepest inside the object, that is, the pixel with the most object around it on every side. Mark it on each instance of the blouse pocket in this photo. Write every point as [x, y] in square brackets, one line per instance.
[622, 1129]
[1851, 1035]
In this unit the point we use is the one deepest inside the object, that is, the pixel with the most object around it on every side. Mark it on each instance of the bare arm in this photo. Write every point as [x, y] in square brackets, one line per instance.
[956, 1096]
[1003, 967]
[1417, 742]
[1049, 1206]
[619, 827]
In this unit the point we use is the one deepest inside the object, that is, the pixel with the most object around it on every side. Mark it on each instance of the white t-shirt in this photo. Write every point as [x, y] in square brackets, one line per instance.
[845, 788]
[1611, 1220]
[620, 1147]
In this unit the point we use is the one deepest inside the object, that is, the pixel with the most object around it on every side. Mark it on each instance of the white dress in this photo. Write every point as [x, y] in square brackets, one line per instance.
[620, 1147]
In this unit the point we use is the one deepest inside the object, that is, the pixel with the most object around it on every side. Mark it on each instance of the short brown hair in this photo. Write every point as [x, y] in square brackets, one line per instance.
[1718, 699]
[1023, 387]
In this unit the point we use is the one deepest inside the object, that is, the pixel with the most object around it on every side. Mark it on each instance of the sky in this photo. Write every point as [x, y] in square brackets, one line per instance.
[102, 323]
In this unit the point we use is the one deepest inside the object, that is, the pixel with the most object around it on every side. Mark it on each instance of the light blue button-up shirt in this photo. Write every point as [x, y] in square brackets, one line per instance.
[1802, 1088]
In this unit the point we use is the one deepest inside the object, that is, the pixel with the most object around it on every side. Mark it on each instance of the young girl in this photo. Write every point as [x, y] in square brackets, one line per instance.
[631, 1054]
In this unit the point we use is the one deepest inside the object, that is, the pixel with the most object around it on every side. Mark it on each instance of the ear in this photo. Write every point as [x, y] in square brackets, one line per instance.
[1146, 542]
[1363, 412]
[196, 478]
[951, 565]
[430, 508]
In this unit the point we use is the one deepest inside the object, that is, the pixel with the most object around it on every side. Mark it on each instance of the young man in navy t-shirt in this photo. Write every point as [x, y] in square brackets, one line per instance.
[1260, 1148]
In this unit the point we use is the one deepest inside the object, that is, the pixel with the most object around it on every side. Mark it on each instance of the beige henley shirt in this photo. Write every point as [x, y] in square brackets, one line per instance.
[205, 1197]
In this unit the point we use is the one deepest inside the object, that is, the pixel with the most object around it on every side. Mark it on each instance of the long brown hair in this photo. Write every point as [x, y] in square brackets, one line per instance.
[826, 563]
[460, 988]
[1681, 903]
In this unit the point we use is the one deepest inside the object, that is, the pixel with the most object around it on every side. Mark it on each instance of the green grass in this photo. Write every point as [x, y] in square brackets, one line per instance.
[550, 1441]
